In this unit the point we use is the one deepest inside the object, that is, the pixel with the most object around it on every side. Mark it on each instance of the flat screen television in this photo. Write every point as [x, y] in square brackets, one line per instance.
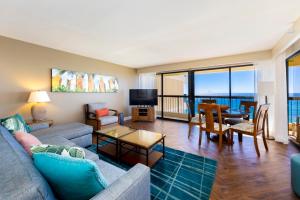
[147, 97]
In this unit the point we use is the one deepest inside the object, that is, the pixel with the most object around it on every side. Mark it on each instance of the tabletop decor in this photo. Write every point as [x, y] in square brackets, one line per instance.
[71, 81]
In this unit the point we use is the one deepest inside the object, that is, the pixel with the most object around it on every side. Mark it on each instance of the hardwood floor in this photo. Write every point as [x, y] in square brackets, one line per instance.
[241, 174]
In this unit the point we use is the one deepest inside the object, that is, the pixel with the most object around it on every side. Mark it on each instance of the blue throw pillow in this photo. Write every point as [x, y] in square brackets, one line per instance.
[70, 178]
[15, 123]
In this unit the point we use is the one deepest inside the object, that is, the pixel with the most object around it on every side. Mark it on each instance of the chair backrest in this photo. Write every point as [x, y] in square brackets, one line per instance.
[260, 119]
[247, 105]
[209, 101]
[209, 111]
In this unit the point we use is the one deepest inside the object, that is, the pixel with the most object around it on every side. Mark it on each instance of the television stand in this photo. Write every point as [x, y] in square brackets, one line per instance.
[143, 114]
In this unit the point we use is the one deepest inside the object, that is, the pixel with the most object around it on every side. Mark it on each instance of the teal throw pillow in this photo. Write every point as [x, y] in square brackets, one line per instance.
[75, 152]
[15, 123]
[70, 178]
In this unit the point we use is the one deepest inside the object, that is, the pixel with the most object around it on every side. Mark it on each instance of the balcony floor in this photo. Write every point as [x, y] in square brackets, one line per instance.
[241, 174]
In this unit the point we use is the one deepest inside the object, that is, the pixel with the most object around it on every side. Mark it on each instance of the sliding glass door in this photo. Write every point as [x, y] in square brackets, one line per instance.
[293, 74]
[226, 86]
[175, 91]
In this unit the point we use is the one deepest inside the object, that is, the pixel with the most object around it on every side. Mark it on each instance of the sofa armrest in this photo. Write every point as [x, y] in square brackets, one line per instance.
[135, 184]
[38, 126]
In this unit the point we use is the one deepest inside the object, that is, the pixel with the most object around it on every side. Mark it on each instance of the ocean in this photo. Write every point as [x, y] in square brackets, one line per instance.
[222, 98]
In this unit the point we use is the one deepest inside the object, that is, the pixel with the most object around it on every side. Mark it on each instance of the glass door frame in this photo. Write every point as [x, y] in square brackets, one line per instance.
[287, 81]
[191, 86]
[162, 90]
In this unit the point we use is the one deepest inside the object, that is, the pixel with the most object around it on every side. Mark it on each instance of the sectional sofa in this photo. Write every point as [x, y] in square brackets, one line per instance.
[21, 180]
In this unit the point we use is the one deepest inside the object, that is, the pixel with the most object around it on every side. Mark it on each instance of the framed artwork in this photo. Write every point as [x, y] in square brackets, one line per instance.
[71, 81]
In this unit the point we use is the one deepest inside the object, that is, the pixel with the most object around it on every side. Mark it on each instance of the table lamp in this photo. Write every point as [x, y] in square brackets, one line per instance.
[38, 110]
[266, 88]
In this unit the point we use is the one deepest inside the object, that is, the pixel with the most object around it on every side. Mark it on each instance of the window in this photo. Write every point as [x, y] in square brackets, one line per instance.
[242, 85]
[227, 86]
[293, 72]
[212, 84]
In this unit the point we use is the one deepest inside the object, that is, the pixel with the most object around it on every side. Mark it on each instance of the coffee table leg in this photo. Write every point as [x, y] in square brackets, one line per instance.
[117, 150]
[97, 143]
[147, 157]
[120, 151]
[163, 148]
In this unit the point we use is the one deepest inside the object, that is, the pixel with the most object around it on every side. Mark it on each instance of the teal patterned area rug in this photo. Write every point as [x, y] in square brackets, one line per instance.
[179, 176]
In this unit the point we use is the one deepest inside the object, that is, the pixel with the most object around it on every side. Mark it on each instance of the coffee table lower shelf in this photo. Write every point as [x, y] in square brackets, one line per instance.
[134, 157]
[109, 149]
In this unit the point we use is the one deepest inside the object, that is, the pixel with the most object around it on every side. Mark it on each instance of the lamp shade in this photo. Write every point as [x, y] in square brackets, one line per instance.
[38, 97]
[265, 88]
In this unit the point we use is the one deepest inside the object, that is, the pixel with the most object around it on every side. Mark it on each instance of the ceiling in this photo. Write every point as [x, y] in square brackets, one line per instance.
[139, 33]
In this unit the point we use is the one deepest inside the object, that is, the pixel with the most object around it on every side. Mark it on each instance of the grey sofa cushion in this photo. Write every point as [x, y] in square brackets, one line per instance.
[109, 171]
[83, 141]
[38, 126]
[58, 140]
[108, 120]
[19, 178]
[68, 131]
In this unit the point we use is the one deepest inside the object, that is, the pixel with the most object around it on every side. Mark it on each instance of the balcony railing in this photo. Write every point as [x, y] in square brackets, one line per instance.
[293, 114]
[294, 108]
[175, 106]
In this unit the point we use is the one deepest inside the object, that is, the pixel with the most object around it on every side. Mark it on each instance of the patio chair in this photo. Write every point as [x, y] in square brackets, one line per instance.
[254, 129]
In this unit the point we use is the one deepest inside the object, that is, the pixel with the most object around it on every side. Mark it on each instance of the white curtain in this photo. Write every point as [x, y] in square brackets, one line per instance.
[147, 81]
[281, 119]
[275, 71]
[265, 73]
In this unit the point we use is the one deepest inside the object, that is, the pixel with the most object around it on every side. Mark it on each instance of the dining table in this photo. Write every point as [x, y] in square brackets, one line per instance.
[235, 113]
[227, 112]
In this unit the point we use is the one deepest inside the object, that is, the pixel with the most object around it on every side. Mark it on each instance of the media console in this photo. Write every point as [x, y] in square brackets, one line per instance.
[143, 114]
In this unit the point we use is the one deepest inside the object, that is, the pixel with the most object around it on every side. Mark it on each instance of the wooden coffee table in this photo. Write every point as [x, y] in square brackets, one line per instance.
[138, 146]
[111, 136]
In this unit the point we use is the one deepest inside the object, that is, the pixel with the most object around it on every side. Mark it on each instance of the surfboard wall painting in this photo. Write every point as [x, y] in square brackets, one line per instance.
[71, 81]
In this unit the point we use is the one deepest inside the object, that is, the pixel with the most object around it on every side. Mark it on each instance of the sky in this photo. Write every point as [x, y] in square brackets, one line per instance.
[241, 82]
[294, 79]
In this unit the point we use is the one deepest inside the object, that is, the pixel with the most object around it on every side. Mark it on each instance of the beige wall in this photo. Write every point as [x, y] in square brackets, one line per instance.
[212, 62]
[26, 67]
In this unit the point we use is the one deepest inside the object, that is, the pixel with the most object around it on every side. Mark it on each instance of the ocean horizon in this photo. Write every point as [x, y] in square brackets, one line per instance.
[293, 105]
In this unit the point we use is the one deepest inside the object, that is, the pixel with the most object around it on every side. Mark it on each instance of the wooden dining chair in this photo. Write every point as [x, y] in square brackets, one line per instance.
[254, 129]
[208, 124]
[246, 106]
[210, 101]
